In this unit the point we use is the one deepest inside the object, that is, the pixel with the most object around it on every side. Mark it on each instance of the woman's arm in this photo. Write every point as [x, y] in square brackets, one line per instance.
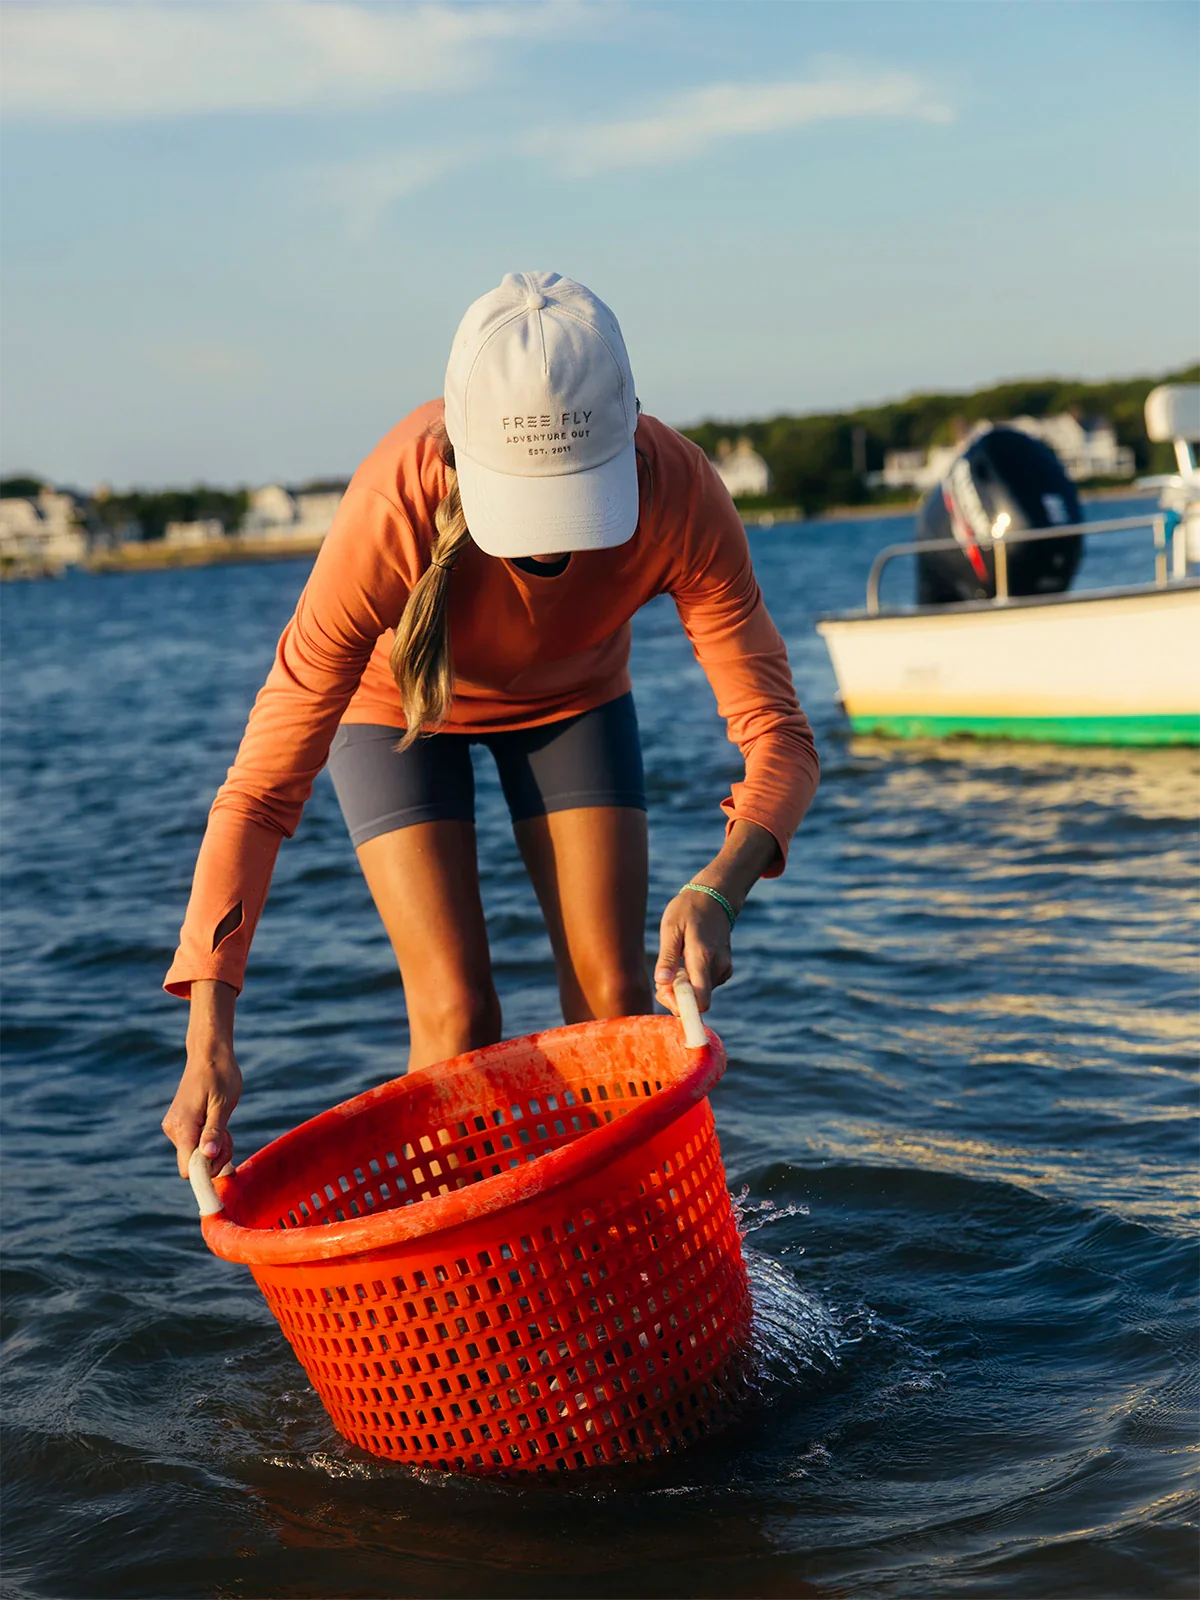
[356, 591]
[739, 647]
[211, 1085]
[696, 932]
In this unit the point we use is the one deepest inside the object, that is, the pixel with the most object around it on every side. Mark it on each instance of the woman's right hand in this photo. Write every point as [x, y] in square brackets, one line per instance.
[211, 1085]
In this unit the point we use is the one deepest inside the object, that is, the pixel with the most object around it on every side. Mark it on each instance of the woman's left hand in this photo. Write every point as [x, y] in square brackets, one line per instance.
[696, 930]
[695, 934]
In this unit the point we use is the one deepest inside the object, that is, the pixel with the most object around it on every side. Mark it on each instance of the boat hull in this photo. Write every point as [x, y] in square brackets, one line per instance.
[1115, 669]
[1043, 730]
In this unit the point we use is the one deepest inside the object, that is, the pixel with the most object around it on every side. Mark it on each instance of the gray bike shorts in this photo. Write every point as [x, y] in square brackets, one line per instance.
[592, 759]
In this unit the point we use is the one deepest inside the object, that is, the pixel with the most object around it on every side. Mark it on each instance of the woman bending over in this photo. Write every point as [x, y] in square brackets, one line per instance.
[477, 587]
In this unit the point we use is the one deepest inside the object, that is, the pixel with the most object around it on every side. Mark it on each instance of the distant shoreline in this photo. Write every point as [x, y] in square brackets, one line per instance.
[902, 508]
[157, 556]
[235, 547]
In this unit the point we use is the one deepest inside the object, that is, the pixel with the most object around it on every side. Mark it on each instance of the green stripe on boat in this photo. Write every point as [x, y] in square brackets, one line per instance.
[1179, 728]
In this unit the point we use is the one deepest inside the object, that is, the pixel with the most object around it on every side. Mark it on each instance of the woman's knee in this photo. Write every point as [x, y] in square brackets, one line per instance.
[616, 989]
[451, 1016]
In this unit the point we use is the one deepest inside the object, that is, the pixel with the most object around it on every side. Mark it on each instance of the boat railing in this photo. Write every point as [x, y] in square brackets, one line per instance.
[999, 542]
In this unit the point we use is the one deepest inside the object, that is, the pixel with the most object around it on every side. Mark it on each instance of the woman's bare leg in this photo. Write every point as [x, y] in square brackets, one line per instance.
[589, 868]
[425, 883]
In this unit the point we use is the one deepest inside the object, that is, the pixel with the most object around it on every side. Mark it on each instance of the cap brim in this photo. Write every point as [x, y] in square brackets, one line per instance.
[514, 516]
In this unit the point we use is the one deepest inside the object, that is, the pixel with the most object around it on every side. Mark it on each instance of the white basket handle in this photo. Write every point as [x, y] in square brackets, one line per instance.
[200, 1178]
[694, 1035]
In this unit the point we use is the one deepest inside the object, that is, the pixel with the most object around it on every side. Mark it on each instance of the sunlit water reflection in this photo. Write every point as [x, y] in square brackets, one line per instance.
[960, 1115]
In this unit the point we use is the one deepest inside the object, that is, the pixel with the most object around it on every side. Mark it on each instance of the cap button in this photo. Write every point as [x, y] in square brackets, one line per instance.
[535, 302]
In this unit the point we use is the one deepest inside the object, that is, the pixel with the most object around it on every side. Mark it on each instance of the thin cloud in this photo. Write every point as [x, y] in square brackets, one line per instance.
[690, 123]
[149, 59]
[364, 191]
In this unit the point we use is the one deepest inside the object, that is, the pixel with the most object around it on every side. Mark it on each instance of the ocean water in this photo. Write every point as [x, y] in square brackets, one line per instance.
[960, 1116]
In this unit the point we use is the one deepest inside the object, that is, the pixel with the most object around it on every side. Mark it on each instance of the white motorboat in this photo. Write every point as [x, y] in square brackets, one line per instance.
[1094, 666]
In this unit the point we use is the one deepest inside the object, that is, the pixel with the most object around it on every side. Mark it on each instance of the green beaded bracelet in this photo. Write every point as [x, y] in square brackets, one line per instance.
[716, 894]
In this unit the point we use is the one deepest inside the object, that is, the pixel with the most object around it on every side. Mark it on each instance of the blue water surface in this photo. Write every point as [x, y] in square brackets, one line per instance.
[962, 1038]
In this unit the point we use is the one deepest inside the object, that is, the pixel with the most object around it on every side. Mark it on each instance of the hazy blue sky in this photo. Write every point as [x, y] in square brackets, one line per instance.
[238, 236]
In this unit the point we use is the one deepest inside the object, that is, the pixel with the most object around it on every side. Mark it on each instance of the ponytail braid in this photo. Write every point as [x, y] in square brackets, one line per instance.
[421, 660]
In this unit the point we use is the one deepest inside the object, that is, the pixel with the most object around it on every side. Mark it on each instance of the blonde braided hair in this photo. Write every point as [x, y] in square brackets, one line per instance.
[421, 660]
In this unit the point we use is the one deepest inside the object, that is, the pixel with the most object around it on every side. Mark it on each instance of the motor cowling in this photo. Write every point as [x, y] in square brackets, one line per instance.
[1003, 482]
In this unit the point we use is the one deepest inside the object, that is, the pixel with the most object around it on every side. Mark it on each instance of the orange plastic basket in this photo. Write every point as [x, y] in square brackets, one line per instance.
[521, 1259]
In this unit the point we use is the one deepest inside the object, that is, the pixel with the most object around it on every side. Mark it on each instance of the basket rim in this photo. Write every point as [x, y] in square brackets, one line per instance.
[422, 1219]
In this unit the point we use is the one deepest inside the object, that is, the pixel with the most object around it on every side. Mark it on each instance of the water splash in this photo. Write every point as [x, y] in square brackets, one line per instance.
[797, 1338]
[323, 1461]
[793, 1334]
[750, 1217]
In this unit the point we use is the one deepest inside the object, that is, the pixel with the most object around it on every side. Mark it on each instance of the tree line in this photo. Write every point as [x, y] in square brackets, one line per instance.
[145, 513]
[823, 460]
[816, 461]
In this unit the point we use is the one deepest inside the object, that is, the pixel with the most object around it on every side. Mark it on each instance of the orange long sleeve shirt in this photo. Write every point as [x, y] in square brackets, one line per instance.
[526, 649]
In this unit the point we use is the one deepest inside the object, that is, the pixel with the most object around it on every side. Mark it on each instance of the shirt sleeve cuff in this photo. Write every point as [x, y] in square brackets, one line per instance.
[771, 824]
[188, 969]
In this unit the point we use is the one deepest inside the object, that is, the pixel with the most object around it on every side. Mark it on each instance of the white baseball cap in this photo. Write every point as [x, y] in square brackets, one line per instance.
[541, 411]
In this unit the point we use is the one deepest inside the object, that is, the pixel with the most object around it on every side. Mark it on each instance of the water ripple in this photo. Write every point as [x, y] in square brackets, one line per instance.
[959, 1117]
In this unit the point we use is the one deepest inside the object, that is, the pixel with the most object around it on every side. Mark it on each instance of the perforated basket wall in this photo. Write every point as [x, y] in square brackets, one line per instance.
[525, 1259]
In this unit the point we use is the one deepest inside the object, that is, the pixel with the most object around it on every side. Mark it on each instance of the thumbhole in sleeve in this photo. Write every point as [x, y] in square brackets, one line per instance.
[229, 923]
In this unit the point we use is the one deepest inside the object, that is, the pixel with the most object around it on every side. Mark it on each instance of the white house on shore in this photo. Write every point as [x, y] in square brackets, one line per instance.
[190, 534]
[41, 534]
[1087, 448]
[741, 469]
[276, 513]
[915, 469]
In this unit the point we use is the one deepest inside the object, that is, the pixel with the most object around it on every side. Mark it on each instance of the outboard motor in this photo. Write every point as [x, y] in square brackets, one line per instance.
[1009, 478]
